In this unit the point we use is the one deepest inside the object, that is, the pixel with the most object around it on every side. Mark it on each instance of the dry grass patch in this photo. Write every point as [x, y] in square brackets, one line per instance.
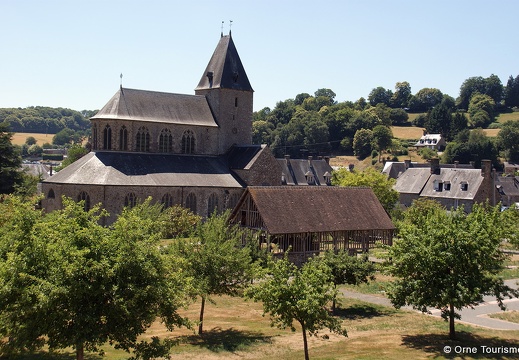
[512, 316]
[508, 116]
[407, 132]
[19, 138]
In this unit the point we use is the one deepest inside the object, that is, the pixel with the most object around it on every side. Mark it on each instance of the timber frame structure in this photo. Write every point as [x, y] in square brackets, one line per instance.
[311, 220]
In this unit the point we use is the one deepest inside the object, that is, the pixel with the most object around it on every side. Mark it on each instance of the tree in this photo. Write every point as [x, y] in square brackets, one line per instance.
[507, 139]
[290, 294]
[381, 185]
[490, 86]
[217, 263]
[261, 132]
[74, 153]
[448, 260]
[30, 140]
[10, 161]
[66, 136]
[425, 99]
[439, 120]
[480, 103]
[511, 92]
[382, 137]
[380, 95]
[35, 150]
[398, 117]
[69, 282]
[362, 143]
[401, 96]
[347, 269]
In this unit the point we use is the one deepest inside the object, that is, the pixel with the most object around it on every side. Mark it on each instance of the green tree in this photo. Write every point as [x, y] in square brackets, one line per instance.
[10, 161]
[401, 96]
[69, 282]
[290, 294]
[362, 143]
[66, 136]
[481, 103]
[382, 138]
[180, 222]
[448, 260]
[261, 132]
[439, 120]
[74, 153]
[511, 92]
[35, 150]
[380, 95]
[425, 99]
[31, 140]
[490, 86]
[347, 269]
[381, 185]
[507, 140]
[217, 263]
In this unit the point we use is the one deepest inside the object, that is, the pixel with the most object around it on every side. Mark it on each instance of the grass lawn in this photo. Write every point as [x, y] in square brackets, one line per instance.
[508, 116]
[512, 316]
[236, 329]
[407, 132]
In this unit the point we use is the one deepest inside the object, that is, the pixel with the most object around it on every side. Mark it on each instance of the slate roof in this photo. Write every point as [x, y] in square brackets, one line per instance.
[300, 209]
[420, 181]
[243, 156]
[153, 106]
[294, 170]
[508, 185]
[225, 69]
[147, 169]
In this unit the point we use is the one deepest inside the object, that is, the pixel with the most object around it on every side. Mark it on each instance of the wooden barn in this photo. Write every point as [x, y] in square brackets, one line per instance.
[309, 220]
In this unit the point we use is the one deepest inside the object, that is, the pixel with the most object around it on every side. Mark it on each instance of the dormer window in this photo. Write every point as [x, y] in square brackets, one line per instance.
[438, 185]
[464, 186]
[447, 185]
[309, 177]
[327, 178]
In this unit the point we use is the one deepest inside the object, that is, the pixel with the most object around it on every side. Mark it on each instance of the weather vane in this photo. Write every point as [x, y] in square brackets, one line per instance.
[230, 25]
[121, 79]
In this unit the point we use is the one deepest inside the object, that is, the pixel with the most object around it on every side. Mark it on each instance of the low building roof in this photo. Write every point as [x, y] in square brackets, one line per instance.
[295, 170]
[413, 180]
[147, 169]
[471, 177]
[429, 139]
[153, 106]
[300, 209]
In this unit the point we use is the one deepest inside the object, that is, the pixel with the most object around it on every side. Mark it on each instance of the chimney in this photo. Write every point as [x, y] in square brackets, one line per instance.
[486, 168]
[351, 167]
[327, 159]
[287, 158]
[407, 164]
[456, 163]
[310, 158]
[435, 166]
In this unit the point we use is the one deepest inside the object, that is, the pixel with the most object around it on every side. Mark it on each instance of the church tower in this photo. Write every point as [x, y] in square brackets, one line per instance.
[229, 94]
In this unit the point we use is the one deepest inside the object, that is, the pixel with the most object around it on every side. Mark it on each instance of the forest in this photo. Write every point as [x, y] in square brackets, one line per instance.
[319, 125]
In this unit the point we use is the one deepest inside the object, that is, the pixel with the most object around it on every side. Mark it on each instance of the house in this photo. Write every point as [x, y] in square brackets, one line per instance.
[508, 188]
[431, 141]
[308, 220]
[393, 169]
[193, 150]
[452, 187]
[305, 171]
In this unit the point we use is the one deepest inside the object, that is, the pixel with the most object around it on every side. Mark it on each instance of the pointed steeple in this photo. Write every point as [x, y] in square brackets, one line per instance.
[225, 70]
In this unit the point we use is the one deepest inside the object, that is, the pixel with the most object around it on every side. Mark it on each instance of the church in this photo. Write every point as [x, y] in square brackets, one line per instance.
[192, 150]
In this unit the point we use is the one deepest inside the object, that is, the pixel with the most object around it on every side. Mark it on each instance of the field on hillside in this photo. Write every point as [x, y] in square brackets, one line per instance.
[19, 138]
[407, 132]
[236, 329]
[508, 116]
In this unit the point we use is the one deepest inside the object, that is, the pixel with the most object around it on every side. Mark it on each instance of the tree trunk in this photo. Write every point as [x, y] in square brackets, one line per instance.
[80, 351]
[452, 331]
[200, 326]
[305, 342]
[333, 301]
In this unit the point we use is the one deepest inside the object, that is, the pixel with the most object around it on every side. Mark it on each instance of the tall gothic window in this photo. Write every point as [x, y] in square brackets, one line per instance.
[212, 204]
[123, 139]
[107, 138]
[233, 201]
[191, 202]
[130, 200]
[188, 142]
[83, 196]
[94, 136]
[165, 141]
[51, 194]
[167, 201]
[142, 143]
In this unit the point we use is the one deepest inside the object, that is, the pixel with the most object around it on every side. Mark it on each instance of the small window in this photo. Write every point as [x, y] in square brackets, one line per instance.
[130, 200]
[235, 102]
[464, 186]
[447, 186]
[438, 185]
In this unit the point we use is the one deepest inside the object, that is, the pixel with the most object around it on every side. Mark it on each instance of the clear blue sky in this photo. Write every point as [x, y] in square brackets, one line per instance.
[66, 53]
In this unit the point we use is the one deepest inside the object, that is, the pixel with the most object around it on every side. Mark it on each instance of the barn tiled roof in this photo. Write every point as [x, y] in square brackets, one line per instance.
[225, 69]
[147, 169]
[153, 106]
[299, 209]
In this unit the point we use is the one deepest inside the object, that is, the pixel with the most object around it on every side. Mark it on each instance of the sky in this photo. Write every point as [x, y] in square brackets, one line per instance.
[71, 53]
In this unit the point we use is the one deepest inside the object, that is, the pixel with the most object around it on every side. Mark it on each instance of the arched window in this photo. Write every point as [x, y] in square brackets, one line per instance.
[130, 200]
[165, 141]
[191, 202]
[143, 140]
[123, 139]
[107, 138]
[94, 136]
[51, 195]
[188, 142]
[167, 201]
[83, 196]
[233, 201]
[212, 204]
